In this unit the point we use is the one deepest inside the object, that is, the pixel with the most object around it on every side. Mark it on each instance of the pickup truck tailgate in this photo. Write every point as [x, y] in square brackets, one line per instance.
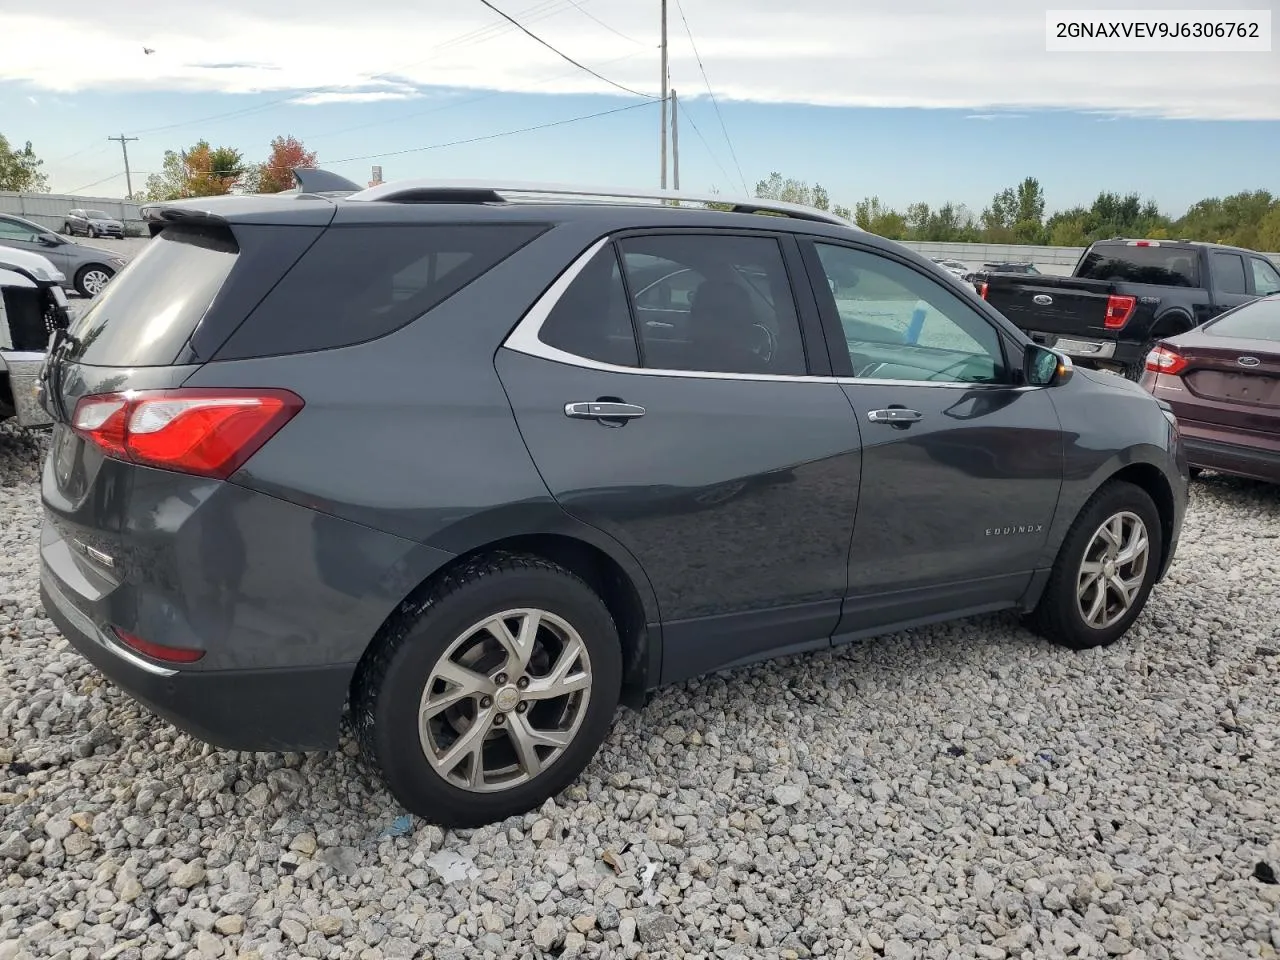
[1055, 305]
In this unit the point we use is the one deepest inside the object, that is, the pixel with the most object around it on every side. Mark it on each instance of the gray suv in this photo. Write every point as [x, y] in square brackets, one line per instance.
[481, 462]
[87, 269]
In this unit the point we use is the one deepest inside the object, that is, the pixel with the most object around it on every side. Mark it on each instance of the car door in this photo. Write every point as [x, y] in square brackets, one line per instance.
[26, 236]
[1266, 279]
[961, 465]
[718, 450]
[1230, 281]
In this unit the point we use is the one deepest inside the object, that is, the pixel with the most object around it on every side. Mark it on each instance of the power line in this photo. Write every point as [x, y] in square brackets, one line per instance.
[562, 55]
[495, 136]
[587, 13]
[537, 12]
[707, 81]
[688, 117]
[96, 182]
[449, 106]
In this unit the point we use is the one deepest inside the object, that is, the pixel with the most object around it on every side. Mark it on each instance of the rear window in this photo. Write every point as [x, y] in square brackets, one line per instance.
[146, 314]
[358, 283]
[1166, 266]
[1258, 320]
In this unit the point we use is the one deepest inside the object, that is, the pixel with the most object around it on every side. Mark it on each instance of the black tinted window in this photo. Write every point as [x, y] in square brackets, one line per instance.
[713, 303]
[1258, 320]
[357, 283]
[591, 318]
[145, 315]
[1167, 266]
[1228, 272]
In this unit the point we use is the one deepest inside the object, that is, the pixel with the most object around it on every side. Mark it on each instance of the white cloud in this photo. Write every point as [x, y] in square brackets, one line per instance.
[352, 96]
[926, 53]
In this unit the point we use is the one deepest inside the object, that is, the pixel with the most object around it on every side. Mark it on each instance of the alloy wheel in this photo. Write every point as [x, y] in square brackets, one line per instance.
[505, 700]
[95, 281]
[1113, 570]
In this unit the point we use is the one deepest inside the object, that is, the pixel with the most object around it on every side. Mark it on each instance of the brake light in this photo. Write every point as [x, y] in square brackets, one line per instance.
[157, 651]
[1144, 243]
[1164, 360]
[206, 432]
[1119, 310]
[982, 289]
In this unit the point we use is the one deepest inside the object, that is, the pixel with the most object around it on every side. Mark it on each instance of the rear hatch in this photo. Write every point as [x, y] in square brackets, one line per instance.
[1231, 379]
[113, 380]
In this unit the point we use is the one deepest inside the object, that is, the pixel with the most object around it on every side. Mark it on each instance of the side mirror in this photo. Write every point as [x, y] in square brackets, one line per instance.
[49, 240]
[1042, 367]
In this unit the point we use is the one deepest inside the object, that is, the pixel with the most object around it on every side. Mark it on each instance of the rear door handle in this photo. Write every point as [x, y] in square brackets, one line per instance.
[895, 415]
[603, 410]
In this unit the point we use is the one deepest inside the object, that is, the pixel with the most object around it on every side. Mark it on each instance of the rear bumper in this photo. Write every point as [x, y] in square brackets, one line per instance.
[1237, 459]
[251, 710]
[1085, 349]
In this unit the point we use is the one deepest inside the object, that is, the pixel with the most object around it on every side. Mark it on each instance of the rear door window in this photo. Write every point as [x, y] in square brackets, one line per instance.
[591, 319]
[146, 314]
[358, 283]
[1228, 273]
[1166, 266]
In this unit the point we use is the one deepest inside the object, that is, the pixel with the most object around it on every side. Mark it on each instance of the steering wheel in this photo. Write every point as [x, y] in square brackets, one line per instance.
[765, 349]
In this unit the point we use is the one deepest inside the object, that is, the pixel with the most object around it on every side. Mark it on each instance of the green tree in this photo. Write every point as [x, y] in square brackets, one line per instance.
[201, 171]
[874, 217]
[791, 190]
[20, 169]
[1269, 232]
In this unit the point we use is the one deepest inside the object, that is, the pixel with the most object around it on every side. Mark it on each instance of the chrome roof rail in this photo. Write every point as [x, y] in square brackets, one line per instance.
[498, 191]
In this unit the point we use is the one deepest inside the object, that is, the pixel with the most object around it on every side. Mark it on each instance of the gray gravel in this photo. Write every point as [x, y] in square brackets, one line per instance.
[961, 791]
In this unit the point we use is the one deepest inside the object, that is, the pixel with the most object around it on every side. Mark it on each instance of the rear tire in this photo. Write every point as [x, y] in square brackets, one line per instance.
[1101, 579]
[445, 665]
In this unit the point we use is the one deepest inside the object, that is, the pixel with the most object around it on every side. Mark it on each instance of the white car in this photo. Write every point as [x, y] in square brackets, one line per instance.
[953, 267]
[32, 305]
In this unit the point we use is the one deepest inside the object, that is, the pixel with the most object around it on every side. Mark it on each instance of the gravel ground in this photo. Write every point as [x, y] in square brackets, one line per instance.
[959, 791]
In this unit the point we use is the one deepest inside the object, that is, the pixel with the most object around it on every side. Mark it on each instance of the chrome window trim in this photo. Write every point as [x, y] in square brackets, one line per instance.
[524, 339]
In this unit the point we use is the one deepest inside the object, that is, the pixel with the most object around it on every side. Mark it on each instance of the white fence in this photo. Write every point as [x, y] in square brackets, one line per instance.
[50, 209]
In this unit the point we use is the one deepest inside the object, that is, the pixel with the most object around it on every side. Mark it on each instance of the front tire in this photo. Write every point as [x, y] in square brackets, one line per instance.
[491, 693]
[1105, 570]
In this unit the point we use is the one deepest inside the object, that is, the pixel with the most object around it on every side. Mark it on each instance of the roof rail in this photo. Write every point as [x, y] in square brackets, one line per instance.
[499, 191]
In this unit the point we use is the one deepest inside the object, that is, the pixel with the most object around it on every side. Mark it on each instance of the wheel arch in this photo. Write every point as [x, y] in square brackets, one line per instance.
[614, 576]
[1171, 322]
[1151, 479]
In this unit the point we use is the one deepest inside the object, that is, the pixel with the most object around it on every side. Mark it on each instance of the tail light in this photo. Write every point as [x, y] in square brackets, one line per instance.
[206, 432]
[1119, 310]
[982, 289]
[157, 651]
[1164, 360]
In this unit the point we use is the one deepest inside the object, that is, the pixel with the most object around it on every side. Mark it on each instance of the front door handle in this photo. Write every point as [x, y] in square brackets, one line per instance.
[603, 410]
[895, 416]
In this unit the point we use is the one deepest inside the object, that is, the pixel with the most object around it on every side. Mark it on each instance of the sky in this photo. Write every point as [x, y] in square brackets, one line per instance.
[907, 100]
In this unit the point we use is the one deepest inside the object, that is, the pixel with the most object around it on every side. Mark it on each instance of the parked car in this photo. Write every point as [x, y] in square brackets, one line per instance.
[1222, 380]
[1022, 267]
[88, 269]
[32, 306]
[92, 223]
[954, 267]
[1124, 296]
[480, 497]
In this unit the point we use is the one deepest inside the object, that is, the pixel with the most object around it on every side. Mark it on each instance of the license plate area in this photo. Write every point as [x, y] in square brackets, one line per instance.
[1251, 388]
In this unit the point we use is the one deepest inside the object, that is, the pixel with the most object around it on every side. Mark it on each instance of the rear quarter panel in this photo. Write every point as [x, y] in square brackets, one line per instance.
[412, 434]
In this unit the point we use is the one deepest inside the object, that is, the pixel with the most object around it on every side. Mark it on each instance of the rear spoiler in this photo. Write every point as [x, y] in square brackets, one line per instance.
[311, 183]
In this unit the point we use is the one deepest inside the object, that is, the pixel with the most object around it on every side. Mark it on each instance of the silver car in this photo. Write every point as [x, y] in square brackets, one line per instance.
[87, 269]
[92, 223]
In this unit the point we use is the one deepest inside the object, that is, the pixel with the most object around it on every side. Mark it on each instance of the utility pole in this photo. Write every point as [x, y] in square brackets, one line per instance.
[124, 148]
[664, 94]
[675, 140]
